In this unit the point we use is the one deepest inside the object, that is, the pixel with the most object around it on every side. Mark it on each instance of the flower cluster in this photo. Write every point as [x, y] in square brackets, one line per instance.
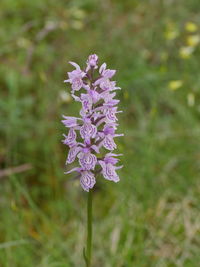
[91, 135]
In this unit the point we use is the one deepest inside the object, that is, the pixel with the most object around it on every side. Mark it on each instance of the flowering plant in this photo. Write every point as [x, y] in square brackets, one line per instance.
[91, 137]
[96, 127]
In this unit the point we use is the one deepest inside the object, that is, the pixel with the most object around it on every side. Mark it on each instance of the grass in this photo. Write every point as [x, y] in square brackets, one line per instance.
[150, 218]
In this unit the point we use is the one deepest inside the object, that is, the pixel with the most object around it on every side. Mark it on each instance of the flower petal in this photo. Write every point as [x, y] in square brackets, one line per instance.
[87, 180]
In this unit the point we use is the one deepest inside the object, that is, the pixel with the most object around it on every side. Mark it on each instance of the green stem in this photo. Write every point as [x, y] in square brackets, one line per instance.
[89, 229]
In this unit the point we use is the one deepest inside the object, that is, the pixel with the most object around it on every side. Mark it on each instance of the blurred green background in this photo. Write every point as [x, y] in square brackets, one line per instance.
[150, 218]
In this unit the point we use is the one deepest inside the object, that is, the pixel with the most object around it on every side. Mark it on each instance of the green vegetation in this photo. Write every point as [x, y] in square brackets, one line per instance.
[151, 218]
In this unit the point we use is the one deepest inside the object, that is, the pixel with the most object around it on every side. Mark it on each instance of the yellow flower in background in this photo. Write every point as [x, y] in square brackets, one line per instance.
[175, 84]
[126, 95]
[191, 27]
[191, 99]
[171, 35]
[171, 31]
[186, 51]
[77, 24]
[79, 13]
[193, 40]
[78, 16]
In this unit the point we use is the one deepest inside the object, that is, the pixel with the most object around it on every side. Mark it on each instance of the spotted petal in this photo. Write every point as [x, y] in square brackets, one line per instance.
[87, 160]
[87, 180]
[88, 130]
[72, 154]
[108, 171]
[109, 143]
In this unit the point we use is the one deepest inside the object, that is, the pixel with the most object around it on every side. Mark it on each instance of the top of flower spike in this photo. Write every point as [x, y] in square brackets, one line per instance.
[92, 62]
[97, 125]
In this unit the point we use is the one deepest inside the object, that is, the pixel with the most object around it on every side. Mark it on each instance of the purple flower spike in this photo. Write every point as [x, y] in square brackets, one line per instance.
[96, 128]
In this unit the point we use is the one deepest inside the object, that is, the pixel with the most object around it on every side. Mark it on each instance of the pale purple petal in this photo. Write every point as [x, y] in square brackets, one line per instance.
[108, 130]
[108, 73]
[94, 95]
[95, 148]
[72, 154]
[110, 158]
[69, 121]
[118, 135]
[88, 130]
[102, 68]
[70, 139]
[76, 98]
[87, 180]
[75, 65]
[92, 61]
[110, 114]
[108, 171]
[107, 85]
[86, 101]
[75, 77]
[76, 169]
[77, 83]
[87, 160]
[109, 143]
[111, 103]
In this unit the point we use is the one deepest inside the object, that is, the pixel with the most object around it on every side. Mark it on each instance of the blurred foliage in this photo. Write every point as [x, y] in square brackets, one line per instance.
[150, 218]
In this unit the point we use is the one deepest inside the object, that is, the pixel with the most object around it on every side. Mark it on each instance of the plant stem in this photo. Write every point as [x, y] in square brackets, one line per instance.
[89, 229]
